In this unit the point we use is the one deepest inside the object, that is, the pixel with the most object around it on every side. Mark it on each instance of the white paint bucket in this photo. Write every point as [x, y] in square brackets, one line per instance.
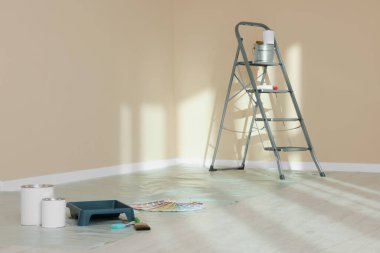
[53, 212]
[31, 197]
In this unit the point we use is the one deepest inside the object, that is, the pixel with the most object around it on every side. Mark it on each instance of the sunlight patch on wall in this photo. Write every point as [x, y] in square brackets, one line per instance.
[125, 142]
[294, 68]
[152, 132]
[193, 117]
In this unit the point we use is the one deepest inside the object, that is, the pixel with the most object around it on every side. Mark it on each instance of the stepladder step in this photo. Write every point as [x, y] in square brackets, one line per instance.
[287, 149]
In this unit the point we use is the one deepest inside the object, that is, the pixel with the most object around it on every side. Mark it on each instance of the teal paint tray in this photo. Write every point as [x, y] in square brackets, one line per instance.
[103, 209]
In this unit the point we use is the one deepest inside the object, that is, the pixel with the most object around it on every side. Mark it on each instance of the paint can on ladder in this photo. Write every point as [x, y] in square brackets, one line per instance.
[264, 50]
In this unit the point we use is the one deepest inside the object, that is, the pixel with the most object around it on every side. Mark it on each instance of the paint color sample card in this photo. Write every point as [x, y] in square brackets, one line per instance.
[168, 206]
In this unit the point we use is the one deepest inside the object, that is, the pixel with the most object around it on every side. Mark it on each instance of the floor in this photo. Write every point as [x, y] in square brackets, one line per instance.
[246, 211]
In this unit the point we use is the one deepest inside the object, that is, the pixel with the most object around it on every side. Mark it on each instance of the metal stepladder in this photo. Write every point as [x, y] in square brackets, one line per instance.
[255, 95]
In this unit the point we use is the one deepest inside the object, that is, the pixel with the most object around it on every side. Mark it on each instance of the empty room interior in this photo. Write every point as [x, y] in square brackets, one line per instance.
[189, 126]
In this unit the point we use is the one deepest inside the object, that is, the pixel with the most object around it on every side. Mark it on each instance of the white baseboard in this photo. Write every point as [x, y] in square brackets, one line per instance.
[80, 175]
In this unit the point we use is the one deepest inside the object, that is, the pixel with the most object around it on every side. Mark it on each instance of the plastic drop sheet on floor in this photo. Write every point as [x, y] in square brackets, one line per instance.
[175, 183]
[246, 211]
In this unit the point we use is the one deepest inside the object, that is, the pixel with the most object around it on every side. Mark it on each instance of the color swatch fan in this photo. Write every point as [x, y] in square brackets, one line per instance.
[168, 206]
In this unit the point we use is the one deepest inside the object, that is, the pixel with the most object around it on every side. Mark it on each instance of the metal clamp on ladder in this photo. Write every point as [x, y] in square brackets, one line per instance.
[263, 57]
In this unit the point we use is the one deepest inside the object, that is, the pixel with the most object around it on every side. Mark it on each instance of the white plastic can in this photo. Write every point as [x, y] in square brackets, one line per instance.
[268, 37]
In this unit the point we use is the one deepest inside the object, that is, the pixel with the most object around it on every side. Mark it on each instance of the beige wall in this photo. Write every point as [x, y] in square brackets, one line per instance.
[88, 84]
[331, 48]
[84, 84]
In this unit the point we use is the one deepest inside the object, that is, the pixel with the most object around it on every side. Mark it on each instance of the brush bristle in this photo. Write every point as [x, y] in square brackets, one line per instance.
[141, 226]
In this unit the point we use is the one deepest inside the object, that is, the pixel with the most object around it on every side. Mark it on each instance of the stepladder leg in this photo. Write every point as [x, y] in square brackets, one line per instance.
[212, 167]
[279, 167]
[248, 137]
[317, 164]
[282, 176]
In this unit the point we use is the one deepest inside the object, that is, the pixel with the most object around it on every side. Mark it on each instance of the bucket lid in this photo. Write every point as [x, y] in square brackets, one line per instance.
[53, 199]
[37, 186]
